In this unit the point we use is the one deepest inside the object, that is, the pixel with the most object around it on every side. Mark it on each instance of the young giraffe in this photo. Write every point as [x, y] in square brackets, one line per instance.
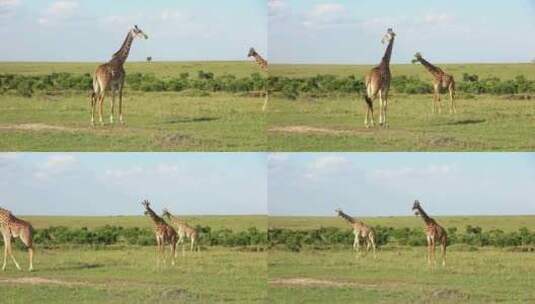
[434, 232]
[377, 82]
[263, 64]
[184, 231]
[441, 81]
[165, 234]
[111, 75]
[360, 230]
[13, 227]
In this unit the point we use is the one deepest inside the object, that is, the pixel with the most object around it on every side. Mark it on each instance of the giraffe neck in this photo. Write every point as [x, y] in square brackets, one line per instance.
[260, 61]
[434, 70]
[154, 217]
[385, 62]
[122, 54]
[5, 215]
[346, 217]
[428, 220]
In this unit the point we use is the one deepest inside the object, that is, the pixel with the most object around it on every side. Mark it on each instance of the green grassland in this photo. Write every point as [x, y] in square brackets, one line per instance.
[503, 71]
[336, 123]
[155, 121]
[482, 123]
[162, 121]
[129, 274]
[158, 68]
[233, 222]
[399, 274]
[505, 223]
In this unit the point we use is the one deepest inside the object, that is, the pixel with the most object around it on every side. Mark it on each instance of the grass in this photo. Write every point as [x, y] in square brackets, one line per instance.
[185, 121]
[503, 71]
[505, 223]
[401, 275]
[128, 274]
[216, 222]
[482, 123]
[155, 122]
[158, 68]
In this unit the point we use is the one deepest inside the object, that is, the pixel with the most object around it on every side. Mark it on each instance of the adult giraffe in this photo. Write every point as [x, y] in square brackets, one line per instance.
[13, 227]
[377, 82]
[263, 64]
[361, 231]
[434, 233]
[110, 75]
[164, 233]
[441, 81]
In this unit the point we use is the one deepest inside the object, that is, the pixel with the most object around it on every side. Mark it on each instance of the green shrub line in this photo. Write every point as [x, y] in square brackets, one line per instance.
[117, 235]
[290, 88]
[295, 240]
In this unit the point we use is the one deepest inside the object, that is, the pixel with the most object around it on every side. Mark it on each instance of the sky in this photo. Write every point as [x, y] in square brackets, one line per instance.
[386, 184]
[92, 30]
[116, 183]
[339, 31]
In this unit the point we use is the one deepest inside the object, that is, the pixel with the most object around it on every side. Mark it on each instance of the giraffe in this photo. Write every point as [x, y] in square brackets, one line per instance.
[13, 227]
[434, 232]
[263, 64]
[441, 81]
[184, 231]
[165, 234]
[360, 230]
[377, 82]
[110, 76]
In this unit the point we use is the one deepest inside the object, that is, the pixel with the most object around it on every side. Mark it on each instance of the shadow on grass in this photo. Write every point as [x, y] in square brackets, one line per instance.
[467, 122]
[188, 120]
[80, 266]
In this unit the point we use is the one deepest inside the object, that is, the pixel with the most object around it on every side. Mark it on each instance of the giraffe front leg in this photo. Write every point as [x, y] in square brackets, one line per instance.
[381, 109]
[30, 257]
[101, 109]
[385, 108]
[121, 120]
[112, 105]
[5, 255]
[266, 99]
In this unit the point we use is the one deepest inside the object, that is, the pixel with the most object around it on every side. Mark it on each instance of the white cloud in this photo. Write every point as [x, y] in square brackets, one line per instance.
[8, 8]
[331, 162]
[55, 165]
[57, 11]
[328, 15]
[436, 19]
[277, 8]
[403, 173]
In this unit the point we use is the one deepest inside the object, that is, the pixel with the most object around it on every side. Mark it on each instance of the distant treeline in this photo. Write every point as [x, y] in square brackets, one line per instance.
[117, 235]
[291, 88]
[326, 237]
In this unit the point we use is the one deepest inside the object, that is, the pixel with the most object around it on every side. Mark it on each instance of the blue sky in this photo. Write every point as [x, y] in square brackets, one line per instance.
[115, 183]
[386, 184]
[92, 30]
[337, 31]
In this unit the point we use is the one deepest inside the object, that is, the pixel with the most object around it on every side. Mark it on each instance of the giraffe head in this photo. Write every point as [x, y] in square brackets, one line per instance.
[416, 207]
[417, 57]
[166, 213]
[146, 204]
[138, 33]
[252, 52]
[388, 36]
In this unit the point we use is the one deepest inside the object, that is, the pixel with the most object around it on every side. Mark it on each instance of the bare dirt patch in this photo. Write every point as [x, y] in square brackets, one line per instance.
[35, 127]
[310, 282]
[39, 281]
[309, 129]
